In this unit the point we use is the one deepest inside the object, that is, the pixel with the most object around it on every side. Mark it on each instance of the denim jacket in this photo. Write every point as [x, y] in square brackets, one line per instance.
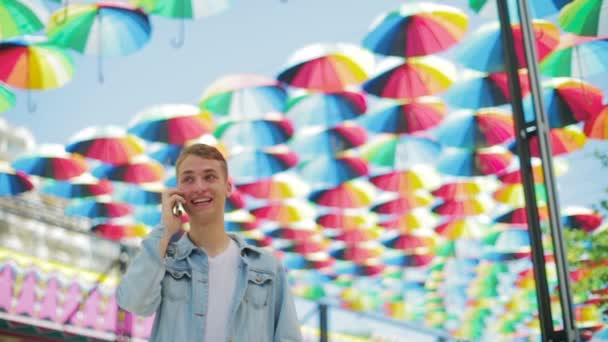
[175, 289]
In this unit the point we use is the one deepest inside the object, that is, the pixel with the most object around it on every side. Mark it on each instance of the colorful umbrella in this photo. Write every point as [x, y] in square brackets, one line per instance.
[284, 212]
[409, 243]
[417, 29]
[539, 8]
[171, 123]
[578, 57]
[483, 162]
[473, 130]
[484, 90]
[356, 253]
[406, 181]
[401, 152]
[343, 220]
[253, 165]
[97, 209]
[293, 234]
[260, 133]
[351, 194]
[415, 77]
[138, 195]
[167, 154]
[411, 221]
[279, 187]
[597, 126]
[513, 194]
[51, 161]
[483, 50]
[13, 183]
[183, 9]
[459, 189]
[404, 203]
[581, 218]
[7, 99]
[512, 177]
[584, 18]
[328, 142]
[353, 236]
[563, 141]
[244, 97]
[567, 101]
[21, 17]
[518, 216]
[408, 117]
[328, 171]
[109, 144]
[78, 188]
[465, 207]
[325, 109]
[328, 68]
[462, 228]
[118, 232]
[137, 171]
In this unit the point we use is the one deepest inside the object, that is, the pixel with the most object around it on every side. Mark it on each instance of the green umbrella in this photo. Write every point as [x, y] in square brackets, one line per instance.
[21, 17]
[7, 99]
[585, 18]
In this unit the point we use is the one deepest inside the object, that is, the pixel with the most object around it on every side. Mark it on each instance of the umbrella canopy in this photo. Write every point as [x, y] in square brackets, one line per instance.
[483, 162]
[244, 97]
[518, 216]
[21, 17]
[404, 203]
[328, 68]
[406, 181]
[351, 194]
[253, 165]
[118, 232]
[409, 243]
[411, 221]
[563, 141]
[343, 220]
[417, 29]
[101, 29]
[567, 101]
[328, 171]
[539, 8]
[513, 194]
[483, 50]
[578, 57]
[401, 152]
[560, 167]
[409, 117]
[32, 63]
[462, 228]
[78, 188]
[183, 9]
[473, 130]
[463, 207]
[51, 161]
[581, 218]
[325, 109]
[283, 212]
[459, 189]
[109, 144]
[137, 171]
[13, 182]
[276, 188]
[138, 195]
[328, 142]
[171, 123]
[484, 90]
[584, 18]
[356, 253]
[7, 99]
[414, 77]
[97, 209]
[597, 126]
[259, 133]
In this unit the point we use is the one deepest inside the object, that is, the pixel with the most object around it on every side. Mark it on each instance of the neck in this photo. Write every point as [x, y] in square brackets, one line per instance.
[209, 235]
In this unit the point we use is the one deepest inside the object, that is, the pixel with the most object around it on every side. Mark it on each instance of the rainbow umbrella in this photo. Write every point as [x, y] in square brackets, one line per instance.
[462, 228]
[597, 126]
[462, 189]
[171, 123]
[138, 195]
[476, 129]
[403, 118]
[98, 209]
[567, 101]
[305, 247]
[279, 187]
[330, 141]
[483, 162]
[353, 236]
[578, 57]
[563, 141]
[483, 50]
[512, 177]
[401, 152]
[328, 171]
[7, 99]
[581, 218]
[518, 216]
[411, 221]
[511, 240]
[464, 207]
[148, 215]
[404, 203]
[244, 97]
[416, 30]
[342, 220]
[290, 233]
[167, 154]
[367, 269]
[78, 188]
[350, 194]
[513, 194]
[183, 9]
[13, 182]
[327, 67]
[356, 253]
[252, 165]
[584, 18]
[109, 144]
[101, 29]
[325, 109]
[21, 17]
[409, 243]
[414, 77]
[51, 161]
[406, 181]
[539, 8]
[484, 90]
[235, 201]
[259, 133]
[408, 260]
[283, 212]
[137, 171]
[310, 292]
[118, 232]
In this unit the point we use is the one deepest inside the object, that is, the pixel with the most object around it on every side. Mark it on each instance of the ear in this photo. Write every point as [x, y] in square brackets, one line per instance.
[229, 187]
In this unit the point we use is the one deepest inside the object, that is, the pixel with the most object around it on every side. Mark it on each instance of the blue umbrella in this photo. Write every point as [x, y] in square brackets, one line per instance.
[255, 133]
[94, 209]
[325, 109]
[327, 171]
[149, 215]
[408, 117]
[472, 130]
[465, 163]
[13, 183]
[329, 141]
[401, 152]
[77, 189]
[138, 195]
[167, 154]
[251, 165]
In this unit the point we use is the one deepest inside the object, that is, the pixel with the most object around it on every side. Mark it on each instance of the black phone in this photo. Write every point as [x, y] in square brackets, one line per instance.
[178, 209]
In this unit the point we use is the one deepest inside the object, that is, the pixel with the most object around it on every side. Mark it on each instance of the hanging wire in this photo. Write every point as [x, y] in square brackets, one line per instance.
[99, 48]
[178, 41]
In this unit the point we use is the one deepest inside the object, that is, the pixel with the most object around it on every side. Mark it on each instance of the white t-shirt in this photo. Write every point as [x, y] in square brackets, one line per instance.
[223, 271]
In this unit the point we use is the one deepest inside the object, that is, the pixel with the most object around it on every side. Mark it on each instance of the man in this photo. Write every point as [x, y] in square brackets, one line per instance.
[206, 285]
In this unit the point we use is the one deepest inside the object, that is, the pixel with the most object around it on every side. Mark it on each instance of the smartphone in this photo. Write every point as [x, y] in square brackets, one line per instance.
[178, 209]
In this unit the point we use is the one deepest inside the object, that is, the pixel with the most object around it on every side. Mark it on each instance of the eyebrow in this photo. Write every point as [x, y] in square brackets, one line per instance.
[208, 170]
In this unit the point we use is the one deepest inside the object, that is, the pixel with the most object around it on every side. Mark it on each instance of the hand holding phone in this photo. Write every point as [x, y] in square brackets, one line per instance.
[178, 209]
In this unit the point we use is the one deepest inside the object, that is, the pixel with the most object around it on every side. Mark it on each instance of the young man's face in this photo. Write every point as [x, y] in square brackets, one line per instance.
[204, 185]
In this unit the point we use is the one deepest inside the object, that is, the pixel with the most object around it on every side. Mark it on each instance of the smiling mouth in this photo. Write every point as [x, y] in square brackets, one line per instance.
[202, 201]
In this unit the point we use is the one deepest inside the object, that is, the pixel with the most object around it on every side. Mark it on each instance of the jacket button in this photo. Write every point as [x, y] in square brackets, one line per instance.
[258, 279]
[200, 314]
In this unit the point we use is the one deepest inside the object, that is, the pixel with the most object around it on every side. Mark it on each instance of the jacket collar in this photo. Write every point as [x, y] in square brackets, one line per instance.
[184, 247]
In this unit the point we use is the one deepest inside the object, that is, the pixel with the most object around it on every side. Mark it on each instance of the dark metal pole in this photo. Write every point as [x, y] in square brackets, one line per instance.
[323, 323]
[559, 249]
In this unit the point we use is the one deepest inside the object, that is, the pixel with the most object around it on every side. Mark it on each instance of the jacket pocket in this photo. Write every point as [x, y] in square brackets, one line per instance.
[259, 285]
[176, 285]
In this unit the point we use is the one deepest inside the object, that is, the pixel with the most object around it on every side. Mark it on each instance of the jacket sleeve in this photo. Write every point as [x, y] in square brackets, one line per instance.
[287, 325]
[139, 290]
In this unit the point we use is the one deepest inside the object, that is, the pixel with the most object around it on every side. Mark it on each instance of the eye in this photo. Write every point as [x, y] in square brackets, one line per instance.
[210, 177]
[187, 179]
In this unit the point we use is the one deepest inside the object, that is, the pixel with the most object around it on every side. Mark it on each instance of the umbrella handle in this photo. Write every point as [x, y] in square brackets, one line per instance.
[31, 106]
[63, 19]
[178, 41]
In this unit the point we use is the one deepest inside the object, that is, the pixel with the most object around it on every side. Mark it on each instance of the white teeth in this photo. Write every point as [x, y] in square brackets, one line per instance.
[206, 200]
